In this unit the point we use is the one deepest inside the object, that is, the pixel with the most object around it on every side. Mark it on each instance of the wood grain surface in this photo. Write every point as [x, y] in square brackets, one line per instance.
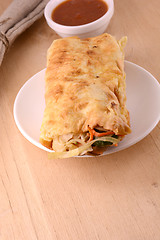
[115, 197]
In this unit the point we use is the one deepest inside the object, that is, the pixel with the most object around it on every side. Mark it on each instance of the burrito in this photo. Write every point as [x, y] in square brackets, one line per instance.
[85, 96]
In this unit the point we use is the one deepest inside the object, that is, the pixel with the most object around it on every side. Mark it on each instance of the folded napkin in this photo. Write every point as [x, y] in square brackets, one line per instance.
[20, 15]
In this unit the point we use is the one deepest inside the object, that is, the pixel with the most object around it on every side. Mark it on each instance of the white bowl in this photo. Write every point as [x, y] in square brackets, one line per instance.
[83, 31]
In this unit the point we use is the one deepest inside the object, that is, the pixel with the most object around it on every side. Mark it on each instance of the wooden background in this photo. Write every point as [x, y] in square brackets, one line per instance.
[115, 197]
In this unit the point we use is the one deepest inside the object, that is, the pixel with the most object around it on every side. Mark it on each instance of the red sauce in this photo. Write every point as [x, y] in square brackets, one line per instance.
[79, 12]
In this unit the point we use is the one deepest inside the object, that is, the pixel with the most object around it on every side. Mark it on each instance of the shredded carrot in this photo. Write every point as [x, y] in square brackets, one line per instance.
[91, 134]
[97, 134]
[116, 145]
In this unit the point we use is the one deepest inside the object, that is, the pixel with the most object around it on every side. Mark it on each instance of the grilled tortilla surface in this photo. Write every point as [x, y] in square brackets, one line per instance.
[84, 89]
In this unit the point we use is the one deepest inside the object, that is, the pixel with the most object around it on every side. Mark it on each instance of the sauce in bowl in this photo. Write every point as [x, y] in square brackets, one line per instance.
[79, 12]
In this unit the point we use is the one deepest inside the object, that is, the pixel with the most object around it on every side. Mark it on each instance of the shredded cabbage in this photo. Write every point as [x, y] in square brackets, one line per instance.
[86, 147]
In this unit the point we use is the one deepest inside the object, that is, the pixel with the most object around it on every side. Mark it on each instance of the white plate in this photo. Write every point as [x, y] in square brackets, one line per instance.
[143, 103]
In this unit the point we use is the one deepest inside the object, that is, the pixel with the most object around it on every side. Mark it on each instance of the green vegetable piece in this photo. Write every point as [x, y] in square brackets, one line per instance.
[102, 143]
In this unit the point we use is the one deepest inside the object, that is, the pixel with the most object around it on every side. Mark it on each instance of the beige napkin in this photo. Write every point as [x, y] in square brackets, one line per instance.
[20, 15]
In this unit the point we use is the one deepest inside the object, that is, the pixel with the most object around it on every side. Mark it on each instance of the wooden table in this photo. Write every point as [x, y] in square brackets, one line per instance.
[115, 197]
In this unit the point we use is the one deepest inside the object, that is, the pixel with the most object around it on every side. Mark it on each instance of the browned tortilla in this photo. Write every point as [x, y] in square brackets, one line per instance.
[84, 86]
